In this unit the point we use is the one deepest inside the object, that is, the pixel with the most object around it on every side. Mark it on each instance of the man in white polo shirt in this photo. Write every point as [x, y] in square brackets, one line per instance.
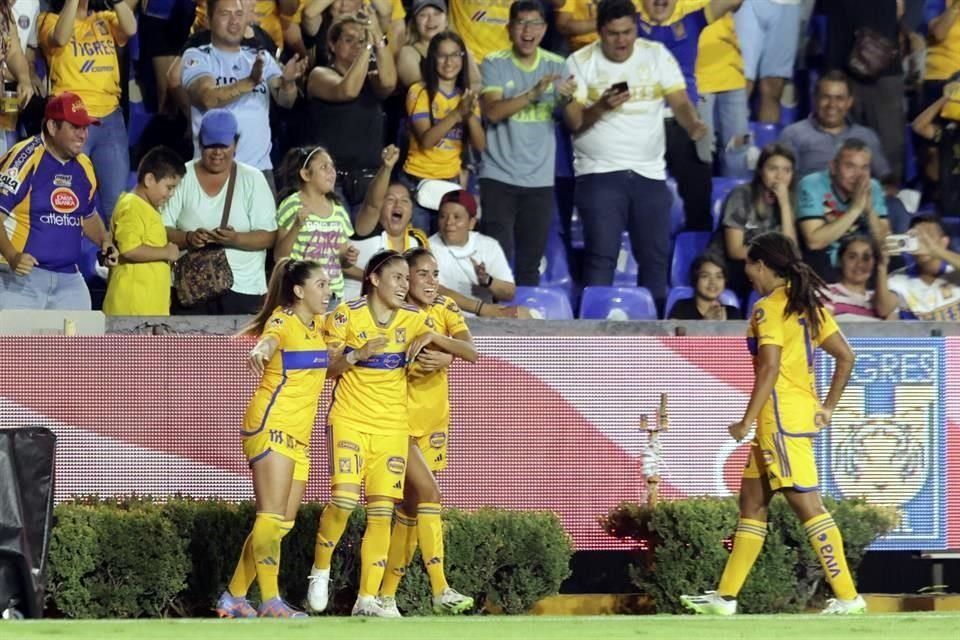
[619, 146]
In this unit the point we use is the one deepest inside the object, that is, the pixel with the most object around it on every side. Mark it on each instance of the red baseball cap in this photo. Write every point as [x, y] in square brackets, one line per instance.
[69, 107]
[463, 198]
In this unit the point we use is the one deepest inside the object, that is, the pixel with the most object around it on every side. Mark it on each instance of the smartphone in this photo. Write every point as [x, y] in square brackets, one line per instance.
[620, 87]
[898, 243]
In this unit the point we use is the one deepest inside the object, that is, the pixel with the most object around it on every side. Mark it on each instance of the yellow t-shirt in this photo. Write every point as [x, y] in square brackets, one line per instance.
[267, 18]
[398, 12]
[581, 10]
[943, 58]
[482, 24]
[88, 65]
[443, 161]
[429, 395]
[792, 406]
[137, 288]
[286, 399]
[371, 397]
[719, 61]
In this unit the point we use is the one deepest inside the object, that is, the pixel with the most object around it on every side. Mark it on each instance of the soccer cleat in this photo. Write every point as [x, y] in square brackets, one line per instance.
[230, 606]
[318, 591]
[389, 606]
[367, 606]
[836, 607]
[277, 608]
[710, 603]
[451, 602]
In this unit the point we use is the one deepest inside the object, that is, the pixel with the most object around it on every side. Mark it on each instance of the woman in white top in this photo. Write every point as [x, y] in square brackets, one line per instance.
[850, 299]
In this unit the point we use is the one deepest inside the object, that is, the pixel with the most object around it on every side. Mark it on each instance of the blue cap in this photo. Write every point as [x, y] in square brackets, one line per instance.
[218, 127]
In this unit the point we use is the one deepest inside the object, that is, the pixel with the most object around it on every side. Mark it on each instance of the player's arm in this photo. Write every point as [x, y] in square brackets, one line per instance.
[457, 347]
[836, 345]
[344, 362]
[261, 354]
[767, 370]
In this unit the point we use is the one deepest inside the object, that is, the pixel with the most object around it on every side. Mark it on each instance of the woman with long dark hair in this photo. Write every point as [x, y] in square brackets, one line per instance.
[789, 323]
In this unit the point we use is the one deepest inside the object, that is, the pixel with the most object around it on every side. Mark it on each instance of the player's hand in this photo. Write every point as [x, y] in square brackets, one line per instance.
[23, 263]
[390, 156]
[371, 348]
[738, 430]
[431, 360]
[110, 254]
[225, 236]
[419, 344]
[256, 72]
[258, 358]
[822, 417]
[173, 252]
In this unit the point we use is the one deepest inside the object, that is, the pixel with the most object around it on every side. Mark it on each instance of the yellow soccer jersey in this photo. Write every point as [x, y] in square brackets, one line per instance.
[89, 64]
[794, 402]
[371, 397]
[482, 24]
[429, 395]
[442, 161]
[719, 61]
[286, 400]
[138, 288]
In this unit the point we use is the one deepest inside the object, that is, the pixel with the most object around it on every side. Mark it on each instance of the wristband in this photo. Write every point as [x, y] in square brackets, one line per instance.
[488, 282]
[479, 308]
[352, 361]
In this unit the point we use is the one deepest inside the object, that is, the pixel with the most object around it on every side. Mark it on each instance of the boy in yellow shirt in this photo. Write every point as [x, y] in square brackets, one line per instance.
[140, 283]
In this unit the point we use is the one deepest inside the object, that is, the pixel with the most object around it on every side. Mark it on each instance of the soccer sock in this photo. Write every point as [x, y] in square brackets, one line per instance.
[245, 573]
[375, 546]
[430, 533]
[403, 542]
[333, 521]
[747, 543]
[268, 531]
[823, 534]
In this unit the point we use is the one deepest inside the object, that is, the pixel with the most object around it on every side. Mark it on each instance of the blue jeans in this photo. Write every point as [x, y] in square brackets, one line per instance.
[42, 289]
[727, 115]
[109, 150]
[608, 203]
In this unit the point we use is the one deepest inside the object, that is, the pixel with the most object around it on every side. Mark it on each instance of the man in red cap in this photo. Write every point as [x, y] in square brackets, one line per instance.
[47, 204]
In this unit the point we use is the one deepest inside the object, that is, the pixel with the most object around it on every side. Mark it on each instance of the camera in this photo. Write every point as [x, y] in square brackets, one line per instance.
[899, 243]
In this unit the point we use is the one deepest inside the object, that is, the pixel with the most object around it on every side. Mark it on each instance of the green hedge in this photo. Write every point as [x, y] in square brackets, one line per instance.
[683, 549]
[136, 558]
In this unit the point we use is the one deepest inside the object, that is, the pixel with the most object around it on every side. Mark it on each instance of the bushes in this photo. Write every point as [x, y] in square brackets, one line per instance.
[138, 558]
[682, 549]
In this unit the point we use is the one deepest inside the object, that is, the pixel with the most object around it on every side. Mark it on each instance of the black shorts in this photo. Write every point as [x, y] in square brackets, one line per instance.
[165, 36]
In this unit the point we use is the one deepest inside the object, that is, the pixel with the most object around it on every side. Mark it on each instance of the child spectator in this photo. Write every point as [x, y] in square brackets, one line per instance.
[708, 277]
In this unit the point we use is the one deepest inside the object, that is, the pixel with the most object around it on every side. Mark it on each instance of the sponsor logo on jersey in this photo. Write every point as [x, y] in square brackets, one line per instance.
[10, 181]
[438, 439]
[396, 464]
[63, 180]
[64, 200]
[61, 220]
[346, 444]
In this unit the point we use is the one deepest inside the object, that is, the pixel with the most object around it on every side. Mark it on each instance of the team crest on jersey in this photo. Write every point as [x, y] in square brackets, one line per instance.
[429, 323]
[340, 319]
[64, 200]
[758, 315]
[276, 322]
[102, 28]
[62, 180]
[344, 464]
[23, 22]
[400, 335]
[679, 31]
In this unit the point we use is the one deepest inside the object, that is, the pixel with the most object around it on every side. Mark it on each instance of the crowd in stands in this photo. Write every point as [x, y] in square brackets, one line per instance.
[582, 151]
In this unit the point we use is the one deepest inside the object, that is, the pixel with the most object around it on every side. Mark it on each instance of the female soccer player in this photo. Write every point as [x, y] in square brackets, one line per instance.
[789, 323]
[291, 360]
[373, 337]
[418, 516]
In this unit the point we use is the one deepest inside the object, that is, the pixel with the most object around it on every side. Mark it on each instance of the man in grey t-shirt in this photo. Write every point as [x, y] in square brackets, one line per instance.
[522, 86]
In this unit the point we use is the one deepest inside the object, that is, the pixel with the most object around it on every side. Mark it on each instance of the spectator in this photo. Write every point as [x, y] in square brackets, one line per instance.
[765, 204]
[621, 176]
[840, 201]
[878, 101]
[18, 28]
[47, 204]
[577, 20]
[444, 115]
[473, 268]
[940, 124]
[929, 290]
[81, 47]
[429, 19]
[708, 277]
[942, 62]
[267, 14]
[768, 31]
[861, 262]
[140, 284]
[226, 74]
[345, 107]
[678, 26]
[522, 87]
[723, 101]
[164, 27]
[481, 25]
[192, 216]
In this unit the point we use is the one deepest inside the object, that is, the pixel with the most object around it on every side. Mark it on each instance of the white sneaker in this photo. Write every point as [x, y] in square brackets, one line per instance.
[369, 607]
[451, 602]
[836, 607]
[318, 591]
[710, 603]
[389, 606]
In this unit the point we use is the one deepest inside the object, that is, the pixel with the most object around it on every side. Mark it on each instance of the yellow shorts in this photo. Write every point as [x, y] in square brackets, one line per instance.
[786, 461]
[378, 462]
[274, 440]
[434, 449]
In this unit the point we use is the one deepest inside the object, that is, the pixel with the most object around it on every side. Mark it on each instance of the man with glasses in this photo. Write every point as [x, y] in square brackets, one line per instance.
[522, 86]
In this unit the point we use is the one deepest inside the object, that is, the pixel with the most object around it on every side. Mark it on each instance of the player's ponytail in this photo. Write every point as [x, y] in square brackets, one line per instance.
[286, 275]
[805, 288]
[378, 262]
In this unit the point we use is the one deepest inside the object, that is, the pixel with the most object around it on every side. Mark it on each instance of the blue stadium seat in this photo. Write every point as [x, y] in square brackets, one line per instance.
[678, 216]
[554, 270]
[721, 189]
[764, 133]
[139, 119]
[625, 274]
[549, 304]
[617, 303]
[686, 247]
[676, 294]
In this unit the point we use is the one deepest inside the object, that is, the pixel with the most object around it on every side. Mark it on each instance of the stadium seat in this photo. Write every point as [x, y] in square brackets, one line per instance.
[686, 247]
[625, 274]
[764, 133]
[721, 189]
[676, 294]
[545, 303]
[678, 216]
[617, 303]
[554, 270]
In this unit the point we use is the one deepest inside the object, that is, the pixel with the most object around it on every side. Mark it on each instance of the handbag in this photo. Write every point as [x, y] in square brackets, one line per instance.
[872, 53]
[204, 274]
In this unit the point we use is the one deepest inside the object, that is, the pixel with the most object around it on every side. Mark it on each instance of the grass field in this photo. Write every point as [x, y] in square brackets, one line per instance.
[897, 626]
